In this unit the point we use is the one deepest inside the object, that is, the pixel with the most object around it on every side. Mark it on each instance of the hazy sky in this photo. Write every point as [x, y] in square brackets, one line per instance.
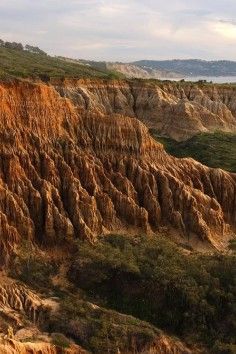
[125, 29]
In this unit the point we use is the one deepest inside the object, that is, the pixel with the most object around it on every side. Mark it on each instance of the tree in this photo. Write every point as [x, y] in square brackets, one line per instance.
[35, 50]
[14, 45]
[2, 43]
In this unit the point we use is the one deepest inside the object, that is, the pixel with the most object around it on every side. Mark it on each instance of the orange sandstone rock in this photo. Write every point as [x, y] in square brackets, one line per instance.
[67, 171]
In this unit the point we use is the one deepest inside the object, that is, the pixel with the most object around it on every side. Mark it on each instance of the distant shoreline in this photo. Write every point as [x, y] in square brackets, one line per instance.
[214, 79]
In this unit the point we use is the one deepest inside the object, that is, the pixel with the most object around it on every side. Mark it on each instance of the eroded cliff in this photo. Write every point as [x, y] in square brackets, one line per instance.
[22, 314]
[179, 111]
[67, 171]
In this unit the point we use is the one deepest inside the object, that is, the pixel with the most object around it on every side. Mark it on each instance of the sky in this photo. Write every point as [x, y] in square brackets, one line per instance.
[123, 30]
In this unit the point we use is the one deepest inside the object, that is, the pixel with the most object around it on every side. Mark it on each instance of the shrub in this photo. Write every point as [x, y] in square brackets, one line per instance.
[216, 150]
[100, 330]
[30, 267]
[150, 278]
[222, 348]
[60, 340]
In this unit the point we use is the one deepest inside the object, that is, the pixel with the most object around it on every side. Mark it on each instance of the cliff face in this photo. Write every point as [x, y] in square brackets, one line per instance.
[24, 311]
[135, 71]
[66, 171]
[14, 347]
[177, 111]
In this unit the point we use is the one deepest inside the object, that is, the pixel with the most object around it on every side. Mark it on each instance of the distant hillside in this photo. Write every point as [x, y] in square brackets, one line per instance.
[29, 61]
[126, 70]
[167, 69]
[135, 71]
[193, 67]
[17, 60]
[98, 65]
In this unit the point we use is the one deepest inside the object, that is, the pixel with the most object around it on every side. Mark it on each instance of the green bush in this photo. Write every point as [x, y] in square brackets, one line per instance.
[32, 268]
[216, 150]
[222, 348]
[232, 245]
[192, 296]
[60, 340]
[100, 330]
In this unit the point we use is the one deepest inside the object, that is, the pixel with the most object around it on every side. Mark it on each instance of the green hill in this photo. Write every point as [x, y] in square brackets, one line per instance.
[214, 150]
[23, 63]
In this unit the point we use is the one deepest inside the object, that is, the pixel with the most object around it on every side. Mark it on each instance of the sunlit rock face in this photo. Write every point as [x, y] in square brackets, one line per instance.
[70, 168]
[11, 346]
[179, 111]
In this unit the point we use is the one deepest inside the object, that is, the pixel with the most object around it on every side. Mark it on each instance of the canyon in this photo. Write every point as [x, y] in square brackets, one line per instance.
[77, 166]
[77, 161]
[73, 171]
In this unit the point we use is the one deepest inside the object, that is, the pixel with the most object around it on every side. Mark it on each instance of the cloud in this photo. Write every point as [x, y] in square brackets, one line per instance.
[226, 29]
[124, 29]
[113, 9]
[229, 21]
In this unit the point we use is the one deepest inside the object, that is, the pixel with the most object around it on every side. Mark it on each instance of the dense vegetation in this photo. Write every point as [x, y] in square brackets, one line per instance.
[97, 329]
[192, 296]
[100, 330]
[193, 67]
[184, 293]
[29, 61]
[30, 266]
[214, 150]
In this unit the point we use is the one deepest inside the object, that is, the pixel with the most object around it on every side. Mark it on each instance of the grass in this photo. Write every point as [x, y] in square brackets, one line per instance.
[21, 63]
[216, 150]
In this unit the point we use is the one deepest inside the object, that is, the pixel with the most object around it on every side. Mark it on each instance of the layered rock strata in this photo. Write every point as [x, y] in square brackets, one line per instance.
[179, 111]
[67, 171]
